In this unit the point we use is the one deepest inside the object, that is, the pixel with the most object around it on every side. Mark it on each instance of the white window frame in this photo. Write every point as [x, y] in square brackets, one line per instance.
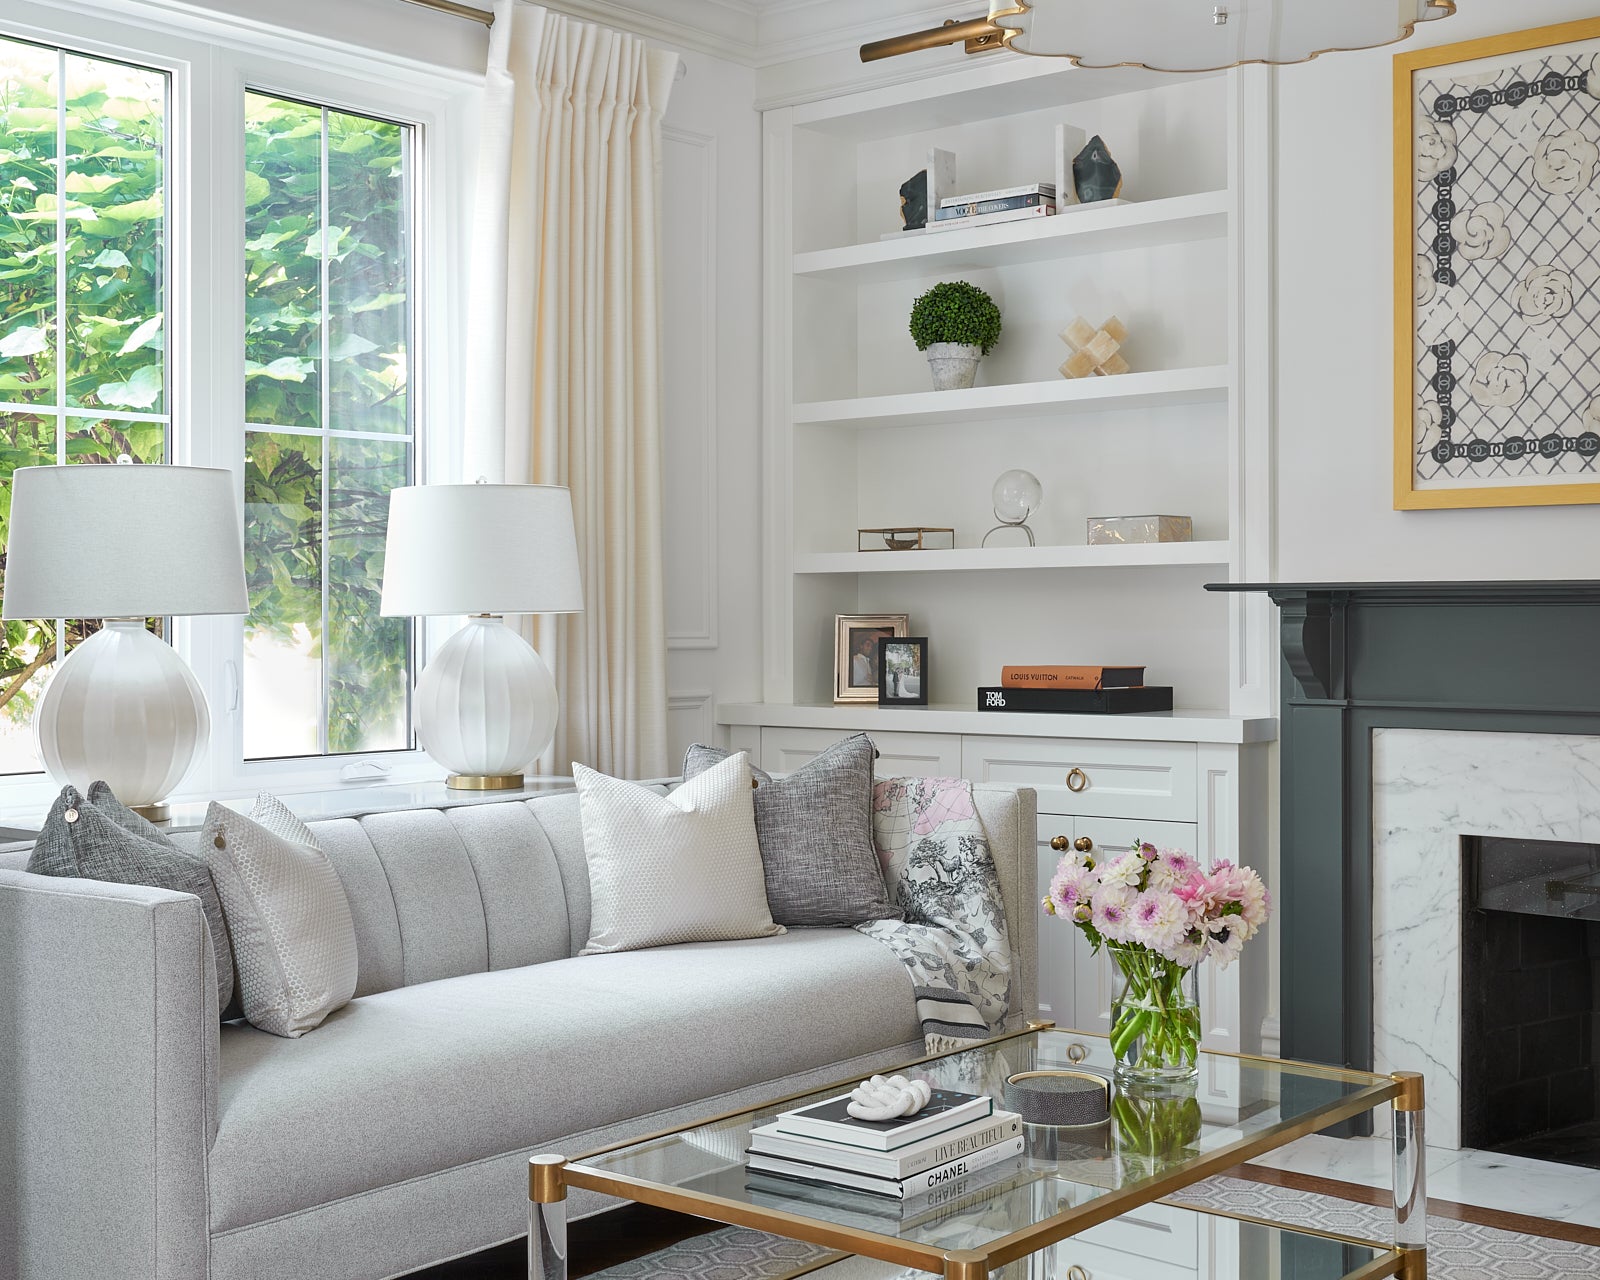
[205, 293]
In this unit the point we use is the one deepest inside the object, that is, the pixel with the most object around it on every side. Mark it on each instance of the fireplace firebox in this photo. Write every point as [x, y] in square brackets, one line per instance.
[1530, 1017]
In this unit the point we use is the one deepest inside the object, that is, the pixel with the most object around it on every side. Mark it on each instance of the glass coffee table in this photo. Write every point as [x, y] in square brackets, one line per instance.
[1013, 1220]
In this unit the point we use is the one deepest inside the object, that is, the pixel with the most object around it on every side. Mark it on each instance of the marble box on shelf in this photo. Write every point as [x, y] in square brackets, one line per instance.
[1121, 530]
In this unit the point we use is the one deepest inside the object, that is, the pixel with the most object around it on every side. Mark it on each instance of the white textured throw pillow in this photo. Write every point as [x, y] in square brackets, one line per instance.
[683, 867]
[294, 943]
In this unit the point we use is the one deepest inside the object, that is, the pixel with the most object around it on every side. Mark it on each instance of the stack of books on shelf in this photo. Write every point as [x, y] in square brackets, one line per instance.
[1074, 690]
[1009, 204]
[954, 1137]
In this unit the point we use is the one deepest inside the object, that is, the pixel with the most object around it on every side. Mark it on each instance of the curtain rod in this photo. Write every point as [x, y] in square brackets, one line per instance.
[458, 10]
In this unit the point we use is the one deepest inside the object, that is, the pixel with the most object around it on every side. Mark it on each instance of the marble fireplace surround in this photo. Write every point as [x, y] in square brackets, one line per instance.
[1430, 788]
[1413, 682]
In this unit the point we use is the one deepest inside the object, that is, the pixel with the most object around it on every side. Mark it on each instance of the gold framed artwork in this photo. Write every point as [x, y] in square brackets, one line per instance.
[855, 652]
[1497, 270]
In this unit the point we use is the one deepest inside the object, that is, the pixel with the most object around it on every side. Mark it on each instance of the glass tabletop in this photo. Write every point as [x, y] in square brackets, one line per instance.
[1064, 1181]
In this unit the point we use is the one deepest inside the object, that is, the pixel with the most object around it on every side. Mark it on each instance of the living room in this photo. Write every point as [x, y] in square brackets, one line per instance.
[534, 416]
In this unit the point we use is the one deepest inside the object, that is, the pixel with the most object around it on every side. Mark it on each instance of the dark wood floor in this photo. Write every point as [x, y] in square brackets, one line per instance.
[636, 1230]
[594, 1244]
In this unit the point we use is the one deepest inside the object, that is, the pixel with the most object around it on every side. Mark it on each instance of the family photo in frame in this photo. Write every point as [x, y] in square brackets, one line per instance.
[856, 658]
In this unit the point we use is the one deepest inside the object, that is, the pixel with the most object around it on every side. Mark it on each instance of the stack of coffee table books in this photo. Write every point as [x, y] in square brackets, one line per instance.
[956, 1136]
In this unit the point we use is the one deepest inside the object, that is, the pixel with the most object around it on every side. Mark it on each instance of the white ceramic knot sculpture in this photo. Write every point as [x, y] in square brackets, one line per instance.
[887, 1098]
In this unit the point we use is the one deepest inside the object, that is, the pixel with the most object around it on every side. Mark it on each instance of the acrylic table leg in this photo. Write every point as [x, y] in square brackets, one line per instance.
[964, 1264]
[1411, 1175]
[547, 1218]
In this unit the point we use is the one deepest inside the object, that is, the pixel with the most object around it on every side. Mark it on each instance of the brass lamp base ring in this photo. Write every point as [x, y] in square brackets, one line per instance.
[158, 812]
[484, 781]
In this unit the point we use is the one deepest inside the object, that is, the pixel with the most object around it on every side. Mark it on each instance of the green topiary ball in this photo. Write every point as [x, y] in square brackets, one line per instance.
[955, 311]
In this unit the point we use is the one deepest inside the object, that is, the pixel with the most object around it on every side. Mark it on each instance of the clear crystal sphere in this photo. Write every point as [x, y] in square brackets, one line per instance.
[1017, 495]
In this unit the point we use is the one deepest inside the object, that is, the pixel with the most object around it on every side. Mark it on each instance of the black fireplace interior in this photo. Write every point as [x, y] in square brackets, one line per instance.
[1530, 1014]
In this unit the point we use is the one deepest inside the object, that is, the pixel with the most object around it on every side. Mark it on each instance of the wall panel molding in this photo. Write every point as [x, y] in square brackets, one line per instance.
[702, 632]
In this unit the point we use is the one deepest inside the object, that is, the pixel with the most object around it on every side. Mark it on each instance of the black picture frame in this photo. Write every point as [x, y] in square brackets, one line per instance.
[903, 671]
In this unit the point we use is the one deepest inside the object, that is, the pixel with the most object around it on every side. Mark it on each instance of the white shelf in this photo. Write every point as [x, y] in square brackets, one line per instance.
[1154, 726]
[1062, 557]
[980, 406]
[1077, 229]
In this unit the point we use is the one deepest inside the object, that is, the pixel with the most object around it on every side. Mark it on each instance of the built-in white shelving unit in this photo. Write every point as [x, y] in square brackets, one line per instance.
[854, 438]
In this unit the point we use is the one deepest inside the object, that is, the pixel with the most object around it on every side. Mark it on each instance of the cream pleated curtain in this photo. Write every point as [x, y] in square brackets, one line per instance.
[564, 364]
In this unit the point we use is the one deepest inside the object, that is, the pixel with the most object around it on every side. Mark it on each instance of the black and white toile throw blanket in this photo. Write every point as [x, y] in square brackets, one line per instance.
[938, 866]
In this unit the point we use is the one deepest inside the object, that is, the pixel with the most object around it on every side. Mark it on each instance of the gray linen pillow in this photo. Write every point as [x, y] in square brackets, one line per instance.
[100, 838]
[815, 831]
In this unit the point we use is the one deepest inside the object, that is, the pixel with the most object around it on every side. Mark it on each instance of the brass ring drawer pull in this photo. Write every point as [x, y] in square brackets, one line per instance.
[1077, 780]
[1075, 1272]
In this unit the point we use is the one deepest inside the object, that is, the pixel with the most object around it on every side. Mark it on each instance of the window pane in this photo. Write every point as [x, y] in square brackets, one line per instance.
[324, 673]
[283, 262]
[29, 124]
[97, 242]
[283, 567]
[116, 234]
[367, 295]
[369, 657]
[26, 440]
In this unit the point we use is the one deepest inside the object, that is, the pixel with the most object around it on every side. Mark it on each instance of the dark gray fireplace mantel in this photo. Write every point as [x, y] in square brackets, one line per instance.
[1514, 657]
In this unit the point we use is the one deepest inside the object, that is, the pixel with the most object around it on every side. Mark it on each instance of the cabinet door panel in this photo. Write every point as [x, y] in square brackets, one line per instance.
[1059, 942]
[1154, 780]
[900, 755]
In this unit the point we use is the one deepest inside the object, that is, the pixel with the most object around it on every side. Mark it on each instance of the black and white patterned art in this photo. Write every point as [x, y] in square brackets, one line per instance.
[1506, 236]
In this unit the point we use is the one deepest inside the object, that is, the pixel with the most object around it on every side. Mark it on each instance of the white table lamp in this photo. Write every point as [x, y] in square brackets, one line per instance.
[487, 703]
[123, 543]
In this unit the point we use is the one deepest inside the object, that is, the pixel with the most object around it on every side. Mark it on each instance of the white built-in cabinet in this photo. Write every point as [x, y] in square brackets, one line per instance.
[853, 437]
[1205, 795]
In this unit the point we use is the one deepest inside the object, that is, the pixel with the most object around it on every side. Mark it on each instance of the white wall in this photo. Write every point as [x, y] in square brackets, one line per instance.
[711, 251]
[1335, 409]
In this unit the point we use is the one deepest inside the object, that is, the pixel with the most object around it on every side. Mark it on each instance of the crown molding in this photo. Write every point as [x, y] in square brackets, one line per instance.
[722, 28]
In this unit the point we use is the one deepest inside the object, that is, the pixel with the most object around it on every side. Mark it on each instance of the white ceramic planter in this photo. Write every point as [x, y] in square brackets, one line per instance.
[954, 364]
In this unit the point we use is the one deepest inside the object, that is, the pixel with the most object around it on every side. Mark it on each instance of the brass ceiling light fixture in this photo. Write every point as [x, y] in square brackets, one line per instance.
[1176, 35]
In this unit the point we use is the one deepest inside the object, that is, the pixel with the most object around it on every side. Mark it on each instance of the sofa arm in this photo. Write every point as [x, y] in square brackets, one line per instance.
[109, 1039]
[1010, 820]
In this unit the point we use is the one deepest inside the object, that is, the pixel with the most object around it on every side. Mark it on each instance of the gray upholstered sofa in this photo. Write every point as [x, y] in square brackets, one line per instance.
[142, 1140]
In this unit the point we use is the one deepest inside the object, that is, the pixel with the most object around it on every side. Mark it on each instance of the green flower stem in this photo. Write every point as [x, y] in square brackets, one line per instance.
[1154, 1011]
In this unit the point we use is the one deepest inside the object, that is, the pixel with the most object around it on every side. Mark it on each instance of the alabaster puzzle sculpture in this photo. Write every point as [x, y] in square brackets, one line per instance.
[1094, 351]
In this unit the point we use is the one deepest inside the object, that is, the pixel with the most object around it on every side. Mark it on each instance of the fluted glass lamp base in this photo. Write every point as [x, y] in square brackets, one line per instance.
[125, 709]
[486, 706]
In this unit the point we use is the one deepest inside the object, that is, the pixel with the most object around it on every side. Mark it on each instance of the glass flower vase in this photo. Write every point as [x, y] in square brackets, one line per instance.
[1155, 1019]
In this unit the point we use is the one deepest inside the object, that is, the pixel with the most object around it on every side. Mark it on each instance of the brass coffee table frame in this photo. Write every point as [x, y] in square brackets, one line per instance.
[550, 1175]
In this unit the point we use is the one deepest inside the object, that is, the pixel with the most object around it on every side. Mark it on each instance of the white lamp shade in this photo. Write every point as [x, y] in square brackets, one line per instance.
[1185, 35]
[481, 548]
[123, 541]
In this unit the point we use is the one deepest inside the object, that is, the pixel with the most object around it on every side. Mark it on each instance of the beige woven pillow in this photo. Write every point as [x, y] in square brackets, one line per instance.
[683, 867]
[294, 943]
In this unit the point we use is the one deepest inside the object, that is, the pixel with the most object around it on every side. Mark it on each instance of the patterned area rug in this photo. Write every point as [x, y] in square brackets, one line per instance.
[1457, 1250]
